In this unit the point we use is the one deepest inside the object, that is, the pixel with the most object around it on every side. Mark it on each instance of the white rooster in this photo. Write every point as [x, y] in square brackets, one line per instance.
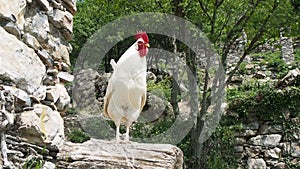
[126, 91]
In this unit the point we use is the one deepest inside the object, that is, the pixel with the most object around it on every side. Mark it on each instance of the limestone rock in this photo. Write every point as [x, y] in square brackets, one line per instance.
[38, 26]
[58, 95]
[273, 153]
[45, 57]
[44, 4]
[107, 154]
[292, 149]
[13, 10]
[39, 94]
[51, 94]
[271, 140]
[70, 5]
[31, 41]
[52, 72]
[59, 51]
[271, 129]
[42, 125]
[48, 165]
[280, 165]
[64, 98]
[65, 77]
[19, 63]
[12, 28]
[61, 19]
[256, 163]
[289, 79]
[22, 98]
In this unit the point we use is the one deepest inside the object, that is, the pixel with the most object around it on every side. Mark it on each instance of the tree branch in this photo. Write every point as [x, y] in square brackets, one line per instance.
[238, 26]
[204, 9]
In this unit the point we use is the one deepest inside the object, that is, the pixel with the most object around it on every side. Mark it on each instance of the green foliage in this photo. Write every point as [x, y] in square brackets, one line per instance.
[263, 101]
[242, 68]
[220, 148]
[78, 136]
[161, 87]
[34, 163]
[274, 62]
[71, 111]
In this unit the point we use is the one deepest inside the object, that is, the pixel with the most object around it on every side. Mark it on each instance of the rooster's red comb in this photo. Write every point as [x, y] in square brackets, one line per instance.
[142, 35]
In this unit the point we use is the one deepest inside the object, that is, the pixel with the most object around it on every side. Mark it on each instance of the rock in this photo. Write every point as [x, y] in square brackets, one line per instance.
[271, 140]
[61, 19]
[62, 66]
[289, 79]
[65, 77]
[48, 165]
[7, 99]
[70, 5]
[12, 28]
[280, 165]
[250, 66]
[247, 133]
[251, 126]
[58, 96]
[52, 94]
[41, 125]
[38, 26]
[22, 98]
[64, 98]
[240, 141]
[50, 80]
[39, 94]
[44, 4]
[106, 154]
[239, 149]
[31, 41]
[84, 88]
[252, 151]
[151, 76]
[287, 50]
[260, 75]
[270, 129]
[52, 72]
[61, 52]
[273, 153]
[295, 150]
[13, 11]
[26, 70]
[256, 163]
[45, 57]
[67, 34]
[156, 108]
[237, 79]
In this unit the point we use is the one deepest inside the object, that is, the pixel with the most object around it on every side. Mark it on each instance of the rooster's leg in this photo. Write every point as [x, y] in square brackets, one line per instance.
[127, 131]
[118, 134]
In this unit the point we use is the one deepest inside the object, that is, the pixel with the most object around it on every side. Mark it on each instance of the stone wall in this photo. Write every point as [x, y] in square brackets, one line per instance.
[34, 67]
[267, 145]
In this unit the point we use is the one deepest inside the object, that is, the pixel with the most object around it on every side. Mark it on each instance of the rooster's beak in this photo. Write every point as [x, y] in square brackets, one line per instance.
[147, 45]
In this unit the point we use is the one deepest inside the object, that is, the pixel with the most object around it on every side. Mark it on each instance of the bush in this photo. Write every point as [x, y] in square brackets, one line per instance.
[77, 136]
[163, 86]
